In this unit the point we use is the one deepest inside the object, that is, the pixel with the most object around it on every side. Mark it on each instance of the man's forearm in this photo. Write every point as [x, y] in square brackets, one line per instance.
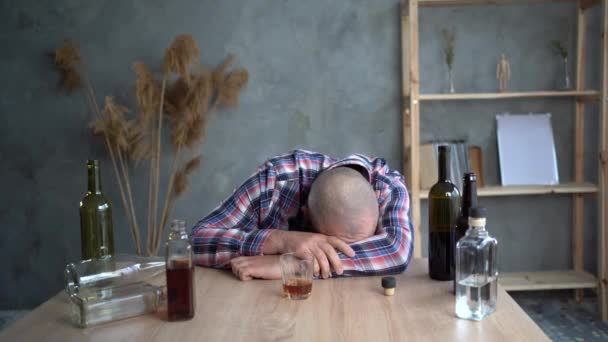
[274, 243]
[395, 245]
[215, 247]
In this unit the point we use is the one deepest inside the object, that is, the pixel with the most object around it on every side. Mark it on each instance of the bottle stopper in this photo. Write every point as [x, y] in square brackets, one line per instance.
[389, 284]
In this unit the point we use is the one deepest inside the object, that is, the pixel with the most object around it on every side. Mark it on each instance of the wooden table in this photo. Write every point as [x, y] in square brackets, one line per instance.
[345, 309]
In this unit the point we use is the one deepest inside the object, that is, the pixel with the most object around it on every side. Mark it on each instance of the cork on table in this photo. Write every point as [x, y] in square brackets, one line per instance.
[344, 309]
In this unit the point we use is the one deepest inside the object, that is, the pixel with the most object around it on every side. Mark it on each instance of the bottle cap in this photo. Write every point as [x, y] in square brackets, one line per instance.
[389, 282]
[93, 162]
[471, 176]
[477, 212]
[477, 217]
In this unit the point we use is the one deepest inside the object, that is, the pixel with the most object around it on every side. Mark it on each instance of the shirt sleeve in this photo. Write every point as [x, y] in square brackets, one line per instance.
[231, 229]
[390, 250]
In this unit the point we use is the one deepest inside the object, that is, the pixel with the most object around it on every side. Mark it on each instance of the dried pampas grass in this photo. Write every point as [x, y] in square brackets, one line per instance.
[140, 141]
[179, 58]
[110, 123]
[192, 164]
[184, 94]
[190, 122]
[71, 80]
[67, 55]
[189, 100]
[181, 177]
[180, 55]
[147, 90]
[188, 133]
[175, 99]
[113, 124]
[231, 87]
[147, 94]
[199, 94]
[220, 70]
[67, 58]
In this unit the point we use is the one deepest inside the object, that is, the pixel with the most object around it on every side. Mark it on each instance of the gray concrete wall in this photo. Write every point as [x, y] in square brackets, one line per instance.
[324, 75]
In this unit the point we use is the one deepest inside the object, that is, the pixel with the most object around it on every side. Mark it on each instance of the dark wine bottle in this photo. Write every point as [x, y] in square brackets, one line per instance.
[96, 233]
[469, 200]
[444, 206]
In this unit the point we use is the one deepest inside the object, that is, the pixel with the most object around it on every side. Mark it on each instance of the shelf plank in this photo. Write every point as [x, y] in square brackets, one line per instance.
[440, 3]
[493, 191]
[547, 280]
[583, 94]
[585, 4]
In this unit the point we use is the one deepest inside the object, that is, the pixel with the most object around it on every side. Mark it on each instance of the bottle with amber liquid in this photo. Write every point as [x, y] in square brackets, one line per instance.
[444, 206]
[468, 201]
[180, 274]
[96, 233]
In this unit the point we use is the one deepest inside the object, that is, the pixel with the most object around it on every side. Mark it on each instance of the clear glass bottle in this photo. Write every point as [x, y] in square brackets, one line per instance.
[96, 233]
[115, 303]
[476, 270]
[119, 269]
[180, 274]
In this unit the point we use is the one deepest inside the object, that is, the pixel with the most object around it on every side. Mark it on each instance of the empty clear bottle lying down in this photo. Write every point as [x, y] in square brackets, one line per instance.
[476, 269]
[120, 269]
[98, 306]
[113, 288]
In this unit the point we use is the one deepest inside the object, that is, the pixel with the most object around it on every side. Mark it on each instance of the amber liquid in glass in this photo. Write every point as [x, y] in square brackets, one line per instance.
[298, 288]
[180, 291]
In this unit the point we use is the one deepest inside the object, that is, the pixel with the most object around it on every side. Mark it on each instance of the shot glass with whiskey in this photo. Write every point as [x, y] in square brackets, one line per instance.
[297, 276]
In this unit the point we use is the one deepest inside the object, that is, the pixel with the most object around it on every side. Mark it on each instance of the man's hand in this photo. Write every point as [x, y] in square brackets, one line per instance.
[321, 247]
[261, 267]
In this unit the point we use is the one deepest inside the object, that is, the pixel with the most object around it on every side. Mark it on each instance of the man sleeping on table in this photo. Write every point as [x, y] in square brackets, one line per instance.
[350, 215]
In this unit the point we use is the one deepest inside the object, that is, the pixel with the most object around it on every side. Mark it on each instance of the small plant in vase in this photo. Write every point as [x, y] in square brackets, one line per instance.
[562, 52]
[449, 37]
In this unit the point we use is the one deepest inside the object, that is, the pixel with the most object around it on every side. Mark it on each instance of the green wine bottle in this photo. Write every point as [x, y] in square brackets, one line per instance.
[444, 206]
[96, 234]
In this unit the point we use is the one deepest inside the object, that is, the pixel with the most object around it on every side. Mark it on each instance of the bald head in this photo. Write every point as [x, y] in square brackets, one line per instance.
[342, 203]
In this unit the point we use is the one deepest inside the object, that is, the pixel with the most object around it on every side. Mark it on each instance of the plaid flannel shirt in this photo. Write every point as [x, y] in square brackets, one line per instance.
[272, 198]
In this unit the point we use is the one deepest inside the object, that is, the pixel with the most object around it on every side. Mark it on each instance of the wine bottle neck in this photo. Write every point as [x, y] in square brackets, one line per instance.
[94, 178]
[444, 166]
[469, 196]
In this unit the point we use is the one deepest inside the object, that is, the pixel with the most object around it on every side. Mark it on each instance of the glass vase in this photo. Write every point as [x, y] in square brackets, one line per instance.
[564, 83]
[450, 81]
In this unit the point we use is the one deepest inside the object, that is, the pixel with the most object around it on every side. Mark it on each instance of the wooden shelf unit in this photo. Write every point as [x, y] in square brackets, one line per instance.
[443, 3]
[576, 278]
[496, 191]
[547, 280]
[579, 95]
